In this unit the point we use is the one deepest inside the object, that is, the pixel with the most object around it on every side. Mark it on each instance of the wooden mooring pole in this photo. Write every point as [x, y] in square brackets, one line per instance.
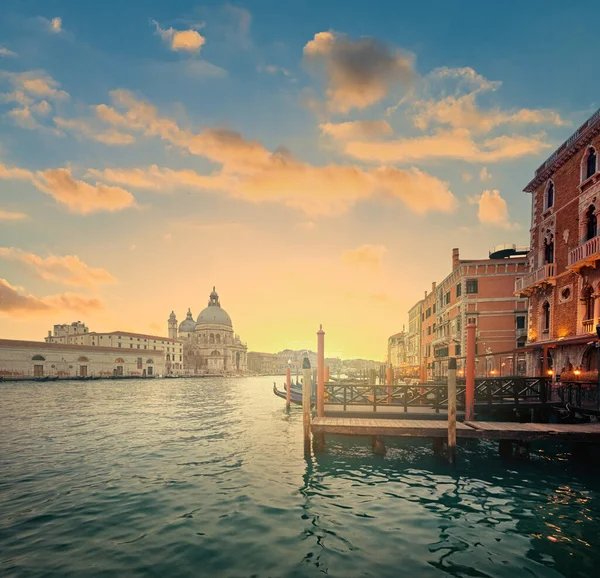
[288, 384]
[320, 372]
[470, 373]
[452, 410]
[388, 381]
[306, 394]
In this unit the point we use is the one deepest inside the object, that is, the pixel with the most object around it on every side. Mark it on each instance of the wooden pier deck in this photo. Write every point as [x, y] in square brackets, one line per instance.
[356, 426]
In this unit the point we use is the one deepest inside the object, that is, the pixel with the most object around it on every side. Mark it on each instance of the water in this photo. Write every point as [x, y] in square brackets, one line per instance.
[207, 478]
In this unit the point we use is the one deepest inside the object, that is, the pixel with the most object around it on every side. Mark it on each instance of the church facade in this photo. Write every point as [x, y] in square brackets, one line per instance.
[210, 346]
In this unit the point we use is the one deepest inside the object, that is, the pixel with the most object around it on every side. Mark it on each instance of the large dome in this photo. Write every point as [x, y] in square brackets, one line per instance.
[213, 314]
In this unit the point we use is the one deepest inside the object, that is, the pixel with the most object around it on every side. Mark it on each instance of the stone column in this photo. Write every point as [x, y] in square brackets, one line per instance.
[596, 310]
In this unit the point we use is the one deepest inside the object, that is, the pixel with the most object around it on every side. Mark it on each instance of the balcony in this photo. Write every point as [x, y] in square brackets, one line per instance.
[543, 275]
[586, 254]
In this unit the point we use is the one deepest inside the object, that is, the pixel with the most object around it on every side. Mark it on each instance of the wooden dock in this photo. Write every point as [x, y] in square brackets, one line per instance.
[355, 426]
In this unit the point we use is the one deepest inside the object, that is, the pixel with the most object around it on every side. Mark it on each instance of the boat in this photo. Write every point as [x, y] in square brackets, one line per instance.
[295, 393]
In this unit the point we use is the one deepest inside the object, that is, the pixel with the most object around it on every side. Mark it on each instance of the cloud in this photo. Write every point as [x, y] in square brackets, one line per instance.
[357, 129]
[12, 216]
[6, 52]
[56, 25]
[371, 255]
[484, 175]
[453, 144]
[68, 270]
[86, 129]
[79, 196]
[459, 110]
[34, 83]
[14, 303]
[467, 177]
[181, 40]
[358, 73]
[248, 170]
[493, 209]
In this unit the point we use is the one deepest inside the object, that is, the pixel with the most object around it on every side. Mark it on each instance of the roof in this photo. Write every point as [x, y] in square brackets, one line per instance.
[68, 346]
[589, 129]
[128, 334]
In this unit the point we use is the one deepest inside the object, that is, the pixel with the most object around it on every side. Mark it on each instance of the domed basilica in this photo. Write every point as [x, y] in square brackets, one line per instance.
[210, 346]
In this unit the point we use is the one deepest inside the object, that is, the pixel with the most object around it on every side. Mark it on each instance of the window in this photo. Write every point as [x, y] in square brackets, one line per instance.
[459, 290]
[131, 346]
[591, 223]
[590, 163]
[434, 307]
[447, 298]
[429, 330]
[428, 312]
[457, 350]
[119, 345]
[521, 322]
[549, 250]
[546, 316]
[588, 300]
[472, 286]
[549, 196]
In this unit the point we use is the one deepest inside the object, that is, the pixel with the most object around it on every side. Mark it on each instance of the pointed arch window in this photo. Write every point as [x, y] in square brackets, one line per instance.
[588, 300]
[549, 196]
[590, 163]
[591, 223]
[546, 317]
[549, 250]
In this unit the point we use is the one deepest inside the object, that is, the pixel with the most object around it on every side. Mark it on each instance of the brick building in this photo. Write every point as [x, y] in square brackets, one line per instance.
[562, 283]
[481, 290]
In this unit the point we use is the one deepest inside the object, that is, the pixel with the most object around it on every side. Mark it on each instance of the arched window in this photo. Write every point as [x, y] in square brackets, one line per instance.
[168, 357]
[591, 223]
[83, 359]
[590, 163]
[549, 202]
[218, 338]
[38, 358]
[549, 249]
[546, 317]
[212, 338]
[149, 361]
[119, 360]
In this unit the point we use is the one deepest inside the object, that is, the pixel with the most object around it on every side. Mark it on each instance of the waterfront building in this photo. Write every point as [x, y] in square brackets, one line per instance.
[210, 346]
[77, 333]
[413, 340]
[562, 280]
[277, 363]
[479, 290]
[29, 359]
[397, 354]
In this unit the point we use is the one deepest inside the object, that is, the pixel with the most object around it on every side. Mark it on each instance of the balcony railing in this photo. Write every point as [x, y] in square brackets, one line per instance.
[545, 272]
[585, 251]
[588, 326]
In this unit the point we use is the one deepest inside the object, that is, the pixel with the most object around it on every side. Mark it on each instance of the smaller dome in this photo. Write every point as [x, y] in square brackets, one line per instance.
[172, 316]
[188, 324]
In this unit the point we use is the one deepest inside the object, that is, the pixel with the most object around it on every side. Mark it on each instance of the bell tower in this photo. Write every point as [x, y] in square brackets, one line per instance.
[172, 326]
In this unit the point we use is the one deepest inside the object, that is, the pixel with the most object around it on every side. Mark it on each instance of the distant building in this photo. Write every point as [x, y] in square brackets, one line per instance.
[479, 290]
[413, 339]
[398, 350]
[210, 346]
[36, 359]
[563, 279]
[77, 333]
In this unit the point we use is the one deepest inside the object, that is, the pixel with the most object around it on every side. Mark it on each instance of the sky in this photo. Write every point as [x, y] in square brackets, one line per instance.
[315, 161]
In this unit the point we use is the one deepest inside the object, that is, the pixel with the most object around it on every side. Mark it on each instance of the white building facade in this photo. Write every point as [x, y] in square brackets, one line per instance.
[39, 359]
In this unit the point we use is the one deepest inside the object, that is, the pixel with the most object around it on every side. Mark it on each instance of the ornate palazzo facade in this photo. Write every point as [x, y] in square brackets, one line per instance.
[210, 346]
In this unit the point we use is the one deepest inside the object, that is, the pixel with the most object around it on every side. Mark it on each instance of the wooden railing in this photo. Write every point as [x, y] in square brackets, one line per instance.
[534, 277]
[488, 391]
[584, 251]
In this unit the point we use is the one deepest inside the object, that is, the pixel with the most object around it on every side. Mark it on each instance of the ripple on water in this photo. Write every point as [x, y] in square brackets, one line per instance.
[206, 477]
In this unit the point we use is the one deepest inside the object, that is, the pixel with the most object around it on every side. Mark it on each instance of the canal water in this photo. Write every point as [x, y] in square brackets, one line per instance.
[206, 477]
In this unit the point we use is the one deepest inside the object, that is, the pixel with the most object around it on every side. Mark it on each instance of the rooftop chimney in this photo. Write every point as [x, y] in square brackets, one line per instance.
[433, 284]
[455, 259]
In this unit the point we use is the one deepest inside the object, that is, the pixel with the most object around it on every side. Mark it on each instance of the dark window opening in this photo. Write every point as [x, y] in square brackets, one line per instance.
[591, 228]
[549, 250]
[459, 290]
[546, 310]
[550, 196]
[590, 164]
[472, 286]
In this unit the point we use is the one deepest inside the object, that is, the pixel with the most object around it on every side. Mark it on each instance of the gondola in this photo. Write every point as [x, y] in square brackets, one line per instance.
[295, 393]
